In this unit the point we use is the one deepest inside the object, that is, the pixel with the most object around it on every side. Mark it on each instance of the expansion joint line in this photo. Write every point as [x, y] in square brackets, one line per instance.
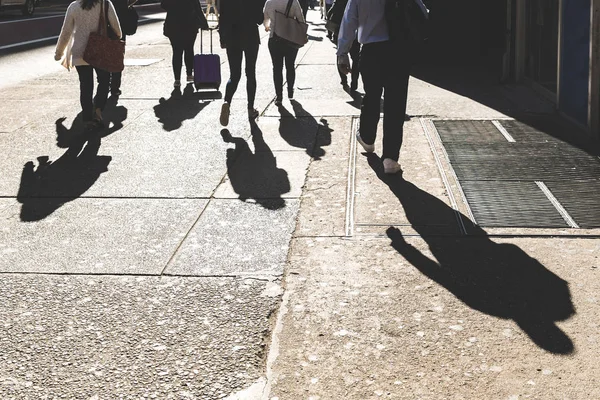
[350, 192]
[559, 207]
[425, 125]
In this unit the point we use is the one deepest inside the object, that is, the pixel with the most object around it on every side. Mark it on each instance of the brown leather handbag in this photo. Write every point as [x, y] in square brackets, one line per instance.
[101, 51]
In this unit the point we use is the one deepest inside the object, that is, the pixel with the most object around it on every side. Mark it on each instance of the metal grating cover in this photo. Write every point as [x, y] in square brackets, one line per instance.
[465, 131]
[511, 204]
[581, 199]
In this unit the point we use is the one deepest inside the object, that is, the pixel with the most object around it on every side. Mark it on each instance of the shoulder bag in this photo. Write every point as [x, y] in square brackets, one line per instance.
[289, 30]
[103, 52]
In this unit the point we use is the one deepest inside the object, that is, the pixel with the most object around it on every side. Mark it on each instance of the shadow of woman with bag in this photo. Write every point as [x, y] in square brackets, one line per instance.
[50, 185]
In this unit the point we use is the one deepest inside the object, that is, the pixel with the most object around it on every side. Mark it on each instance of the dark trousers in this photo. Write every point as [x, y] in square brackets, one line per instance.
[86, 90]
[384, 68]
[234, 57]
[282, 54]
[115, 77]
[183, 49]
[355, 55]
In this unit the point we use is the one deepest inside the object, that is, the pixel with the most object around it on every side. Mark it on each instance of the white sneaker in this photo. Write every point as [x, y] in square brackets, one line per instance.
[224, 119]
[391, 167]
[369, 148]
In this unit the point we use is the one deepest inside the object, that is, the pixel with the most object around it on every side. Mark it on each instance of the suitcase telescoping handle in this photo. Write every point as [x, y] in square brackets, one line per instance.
[211, 42]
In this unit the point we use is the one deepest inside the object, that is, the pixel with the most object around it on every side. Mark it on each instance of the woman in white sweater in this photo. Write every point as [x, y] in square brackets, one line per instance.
[82, 18]
[280, 52]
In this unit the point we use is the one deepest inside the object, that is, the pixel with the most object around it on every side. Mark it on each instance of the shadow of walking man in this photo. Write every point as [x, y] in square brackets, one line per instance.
[254, 175]
[497, 279]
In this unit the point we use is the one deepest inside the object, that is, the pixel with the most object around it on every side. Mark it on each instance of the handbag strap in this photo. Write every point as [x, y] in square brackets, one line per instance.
[102, 21]
[288, 8]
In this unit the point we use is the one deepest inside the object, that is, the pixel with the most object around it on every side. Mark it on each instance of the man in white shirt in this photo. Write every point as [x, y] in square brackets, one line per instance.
[384, 66]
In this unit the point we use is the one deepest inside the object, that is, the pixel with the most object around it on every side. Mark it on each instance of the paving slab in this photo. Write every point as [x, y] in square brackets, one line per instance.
[132, 337]
[93, 236]
[324, 199]
[367, 320]
[319, 82]
[238, 238]
[289, 133]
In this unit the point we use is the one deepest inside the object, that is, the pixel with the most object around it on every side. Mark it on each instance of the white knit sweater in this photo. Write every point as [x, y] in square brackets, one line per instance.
[78, 25]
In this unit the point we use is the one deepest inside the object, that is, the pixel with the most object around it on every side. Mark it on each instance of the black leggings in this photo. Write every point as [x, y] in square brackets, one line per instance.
[234, 56]
[282, 54]
[181, 48]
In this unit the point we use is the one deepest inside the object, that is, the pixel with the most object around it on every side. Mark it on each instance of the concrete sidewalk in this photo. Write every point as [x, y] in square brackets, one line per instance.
[173, 259]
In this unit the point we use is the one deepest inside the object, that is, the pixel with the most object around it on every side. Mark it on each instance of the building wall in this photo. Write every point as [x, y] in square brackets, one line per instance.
[573, 99]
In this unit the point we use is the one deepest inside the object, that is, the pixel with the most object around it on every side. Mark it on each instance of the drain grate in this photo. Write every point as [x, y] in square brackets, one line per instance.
[465, 131]
[511, 204]
[498, 177]
[581, 199]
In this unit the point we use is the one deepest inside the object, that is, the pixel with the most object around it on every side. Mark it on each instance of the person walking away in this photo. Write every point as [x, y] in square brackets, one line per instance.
[335, 15]
[327, 4]
[81, 19]
[238, 31]
[212, 5]
[282, 53]
[184, 19]
[121, 7]
[384, 67]
[304, 6]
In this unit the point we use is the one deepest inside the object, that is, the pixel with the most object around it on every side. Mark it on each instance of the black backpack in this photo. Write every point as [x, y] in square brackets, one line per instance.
[407, 21]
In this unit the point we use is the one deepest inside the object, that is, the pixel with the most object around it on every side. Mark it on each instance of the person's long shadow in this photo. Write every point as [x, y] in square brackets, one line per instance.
[254, 175]
[296, 130]
[497, 279]
[181, 106]
[114, 116]
[48, 187]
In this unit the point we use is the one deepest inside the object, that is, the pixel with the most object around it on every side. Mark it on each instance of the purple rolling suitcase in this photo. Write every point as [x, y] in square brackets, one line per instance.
[207, 68]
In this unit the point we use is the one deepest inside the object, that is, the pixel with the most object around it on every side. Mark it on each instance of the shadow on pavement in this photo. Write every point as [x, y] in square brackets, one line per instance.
[48, 187]
[295, 129]
[255, 175]
[113, 117]
[181, 106]
[500, 280]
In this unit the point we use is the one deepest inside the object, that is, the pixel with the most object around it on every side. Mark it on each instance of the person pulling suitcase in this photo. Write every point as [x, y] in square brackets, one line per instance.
[184, 19]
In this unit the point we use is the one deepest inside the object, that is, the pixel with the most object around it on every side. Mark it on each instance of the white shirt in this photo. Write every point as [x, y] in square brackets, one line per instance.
[271, 6]
[365, 19]
[78, 25]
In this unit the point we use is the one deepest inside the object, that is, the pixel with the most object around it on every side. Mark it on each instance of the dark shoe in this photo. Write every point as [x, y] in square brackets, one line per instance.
[291, 94]
[224, 117]
[253, 113]
[116, 92]
[278, 100]
[353, 86]
[98, 118]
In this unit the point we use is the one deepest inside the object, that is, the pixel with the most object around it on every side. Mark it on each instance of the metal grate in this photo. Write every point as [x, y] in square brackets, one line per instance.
[465, 131]
[499, 177]
[581, 199]
[511, 204]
